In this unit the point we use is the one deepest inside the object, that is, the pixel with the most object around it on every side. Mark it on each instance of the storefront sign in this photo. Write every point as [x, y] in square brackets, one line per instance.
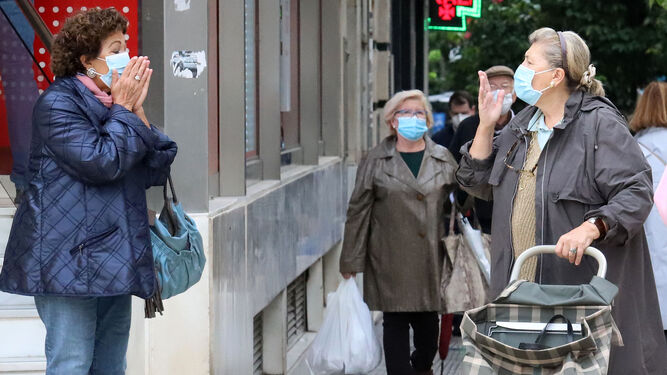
[450, 15]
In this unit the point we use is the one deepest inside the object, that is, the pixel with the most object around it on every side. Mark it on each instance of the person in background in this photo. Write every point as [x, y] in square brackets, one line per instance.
[500, 77]
[80, 241]
[566, 171]
[394, 229]
[461, 106]
[650, 124]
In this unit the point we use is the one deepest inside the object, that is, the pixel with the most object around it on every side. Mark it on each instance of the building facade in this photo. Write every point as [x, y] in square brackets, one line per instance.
[272, 104]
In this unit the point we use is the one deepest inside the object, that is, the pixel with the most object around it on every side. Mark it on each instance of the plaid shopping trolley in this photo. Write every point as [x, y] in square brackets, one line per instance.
[543, 329]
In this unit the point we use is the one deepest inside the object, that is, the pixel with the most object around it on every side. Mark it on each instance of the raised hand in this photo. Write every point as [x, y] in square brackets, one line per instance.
[489, 109]
[144, 91]
[126, 89]
[489, 113]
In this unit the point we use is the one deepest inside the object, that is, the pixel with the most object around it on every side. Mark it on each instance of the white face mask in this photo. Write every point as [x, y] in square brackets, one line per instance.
[456, 119]
[507, 101]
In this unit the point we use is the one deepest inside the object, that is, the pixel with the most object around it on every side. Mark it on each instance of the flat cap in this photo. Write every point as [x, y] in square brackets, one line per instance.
[499, 70]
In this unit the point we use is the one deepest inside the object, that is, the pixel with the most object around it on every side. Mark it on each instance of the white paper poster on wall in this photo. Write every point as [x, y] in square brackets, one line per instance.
[188, 64]
[182, 5]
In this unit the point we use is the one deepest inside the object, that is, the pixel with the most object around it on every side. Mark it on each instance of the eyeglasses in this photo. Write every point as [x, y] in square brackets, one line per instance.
[409, 113]
[505, 87]
[507, 156]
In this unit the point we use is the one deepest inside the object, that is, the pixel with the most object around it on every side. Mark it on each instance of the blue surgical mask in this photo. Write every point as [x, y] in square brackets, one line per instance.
[117, 61]
[412, 128]
[523, 84]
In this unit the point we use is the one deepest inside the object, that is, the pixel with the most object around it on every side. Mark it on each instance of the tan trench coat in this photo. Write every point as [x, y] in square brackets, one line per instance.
[394, 227]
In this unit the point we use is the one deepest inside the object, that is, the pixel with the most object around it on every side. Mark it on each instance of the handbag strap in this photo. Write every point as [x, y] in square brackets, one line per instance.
[173, 192]
[170, 217]
[653, 153]
[452, 217]
[537, 345]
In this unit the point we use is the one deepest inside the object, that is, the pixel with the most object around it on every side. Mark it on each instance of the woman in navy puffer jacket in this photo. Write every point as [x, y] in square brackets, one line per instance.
[80, 240]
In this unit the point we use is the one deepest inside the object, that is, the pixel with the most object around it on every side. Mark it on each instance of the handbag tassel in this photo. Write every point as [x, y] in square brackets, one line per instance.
[154, 303]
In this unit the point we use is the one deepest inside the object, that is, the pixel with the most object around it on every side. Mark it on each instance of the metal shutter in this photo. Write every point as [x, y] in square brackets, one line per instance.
[257, 345]
[296, 310]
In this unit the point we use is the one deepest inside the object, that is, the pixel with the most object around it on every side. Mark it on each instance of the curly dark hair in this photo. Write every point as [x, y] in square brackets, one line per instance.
[82, 35]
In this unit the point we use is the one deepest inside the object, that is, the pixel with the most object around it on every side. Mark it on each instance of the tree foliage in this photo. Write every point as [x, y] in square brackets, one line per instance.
[626, 38]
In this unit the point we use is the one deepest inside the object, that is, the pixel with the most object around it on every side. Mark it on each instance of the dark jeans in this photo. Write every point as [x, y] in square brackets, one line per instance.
[397, 355]
[456, 324]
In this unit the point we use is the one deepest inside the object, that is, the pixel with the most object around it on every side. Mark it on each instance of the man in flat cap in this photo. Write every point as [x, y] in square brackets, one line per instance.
[500, 78]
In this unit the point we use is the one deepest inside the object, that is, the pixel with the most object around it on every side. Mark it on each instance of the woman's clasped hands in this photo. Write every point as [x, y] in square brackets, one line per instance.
[131, 87]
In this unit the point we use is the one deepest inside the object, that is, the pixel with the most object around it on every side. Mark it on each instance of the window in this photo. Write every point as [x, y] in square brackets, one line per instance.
[213, 90]
[289, 81]
[275, 136]
[251, 131]
[24, 74]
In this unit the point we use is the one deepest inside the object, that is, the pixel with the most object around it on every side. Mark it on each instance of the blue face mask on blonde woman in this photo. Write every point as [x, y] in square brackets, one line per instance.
[411, 124]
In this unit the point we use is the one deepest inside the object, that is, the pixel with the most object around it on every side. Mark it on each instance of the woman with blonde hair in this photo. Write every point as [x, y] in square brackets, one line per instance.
[650, 123]
[566, 171]
[393, 231]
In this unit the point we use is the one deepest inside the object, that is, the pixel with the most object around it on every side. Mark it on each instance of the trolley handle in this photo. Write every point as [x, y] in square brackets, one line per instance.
[550, 249]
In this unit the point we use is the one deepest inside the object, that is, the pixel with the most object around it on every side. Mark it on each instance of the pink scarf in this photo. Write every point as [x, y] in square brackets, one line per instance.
[99, 94]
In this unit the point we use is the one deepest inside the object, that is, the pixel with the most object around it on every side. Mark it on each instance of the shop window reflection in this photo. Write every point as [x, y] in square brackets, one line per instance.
[19, 80]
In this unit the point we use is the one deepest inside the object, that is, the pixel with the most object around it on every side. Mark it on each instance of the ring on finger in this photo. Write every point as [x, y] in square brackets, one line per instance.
[573, 251]
[137, 77]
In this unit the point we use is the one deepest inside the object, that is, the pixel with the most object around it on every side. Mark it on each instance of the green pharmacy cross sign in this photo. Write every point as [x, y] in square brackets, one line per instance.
[450, 15]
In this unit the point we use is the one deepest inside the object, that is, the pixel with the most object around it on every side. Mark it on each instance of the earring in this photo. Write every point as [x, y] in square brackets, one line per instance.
[91, 72]
[551, 84]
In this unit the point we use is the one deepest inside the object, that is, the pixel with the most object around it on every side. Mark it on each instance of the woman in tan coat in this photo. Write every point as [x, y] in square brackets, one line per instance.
[393, 231]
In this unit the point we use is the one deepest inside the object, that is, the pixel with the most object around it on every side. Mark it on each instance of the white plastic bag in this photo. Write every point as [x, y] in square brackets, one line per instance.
[473, 238]
[346, 342]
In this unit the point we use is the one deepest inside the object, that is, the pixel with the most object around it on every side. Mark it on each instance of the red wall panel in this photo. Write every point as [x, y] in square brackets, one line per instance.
[54, 13]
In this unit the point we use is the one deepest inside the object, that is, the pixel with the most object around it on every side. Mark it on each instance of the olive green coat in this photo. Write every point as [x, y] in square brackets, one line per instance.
[394, 227]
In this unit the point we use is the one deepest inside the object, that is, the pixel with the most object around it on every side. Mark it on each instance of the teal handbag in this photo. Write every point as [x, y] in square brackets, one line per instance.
[178, 252]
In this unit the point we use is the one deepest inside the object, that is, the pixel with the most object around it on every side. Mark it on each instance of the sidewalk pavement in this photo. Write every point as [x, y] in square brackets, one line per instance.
[450, 366]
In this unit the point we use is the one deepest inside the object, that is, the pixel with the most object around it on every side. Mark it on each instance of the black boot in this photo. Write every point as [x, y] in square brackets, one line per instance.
[418, 372]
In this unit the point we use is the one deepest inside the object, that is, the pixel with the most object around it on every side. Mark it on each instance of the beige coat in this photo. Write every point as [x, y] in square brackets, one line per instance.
[394, 227]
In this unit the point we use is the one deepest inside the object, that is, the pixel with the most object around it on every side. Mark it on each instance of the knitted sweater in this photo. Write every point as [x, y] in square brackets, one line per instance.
[523, 213]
